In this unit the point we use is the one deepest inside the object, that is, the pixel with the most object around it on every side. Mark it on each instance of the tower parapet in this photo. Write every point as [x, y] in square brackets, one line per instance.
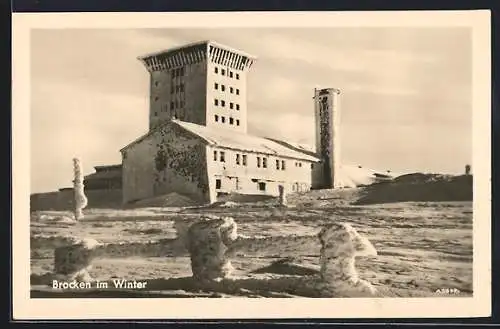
[174, 58]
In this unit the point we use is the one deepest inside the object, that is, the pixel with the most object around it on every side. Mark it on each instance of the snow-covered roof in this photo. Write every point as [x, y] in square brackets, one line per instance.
[231, 139]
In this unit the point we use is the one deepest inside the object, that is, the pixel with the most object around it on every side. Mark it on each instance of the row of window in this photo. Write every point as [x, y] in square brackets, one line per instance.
[230, 74]
[223, 104]
[223, 88]
[177, 104]
[222, 118]
[177, 89]
[241, 159]
[261, 185]
[297, 187]
[178, 72]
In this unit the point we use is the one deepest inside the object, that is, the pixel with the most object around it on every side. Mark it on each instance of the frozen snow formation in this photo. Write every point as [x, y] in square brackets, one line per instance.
[211, 241]
[208, 241]
[340, 245]
[74, 260]
[78, 189]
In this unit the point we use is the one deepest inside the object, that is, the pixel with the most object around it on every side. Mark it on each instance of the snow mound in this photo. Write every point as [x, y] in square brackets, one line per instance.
[167, 200]
[419, 187]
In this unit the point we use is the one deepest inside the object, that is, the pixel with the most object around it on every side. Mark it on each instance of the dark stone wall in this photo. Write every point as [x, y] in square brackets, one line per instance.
[180, 163]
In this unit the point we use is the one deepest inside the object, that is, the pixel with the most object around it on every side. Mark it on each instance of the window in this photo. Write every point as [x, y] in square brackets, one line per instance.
[277, 164]
[216, 118]
[223, 72]
[231, 121]
[223, 119]
[216, 86]
[262, 186]
[237, 122]
[171, 105]
[237, 159]
[176, 104]
[216, 70]
[283, 165]
[300, 164]
[222, 87]
[218, 184]
[238, 107]
[312, 165]
[172, 89]
[182, 104]
[156, 98]
[215, 155]
[216, 102]
[182, 71]
[156, 83]
[237, 91]
[156, 114]
[237, 76]
[231, 89]
[230, 74]
[231, 105]
[222, 157]
[264, 162]
[244, 158]
[258, 162]
[182, 87]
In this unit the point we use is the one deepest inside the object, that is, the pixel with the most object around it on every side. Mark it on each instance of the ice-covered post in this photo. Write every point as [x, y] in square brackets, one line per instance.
[208, 241]
[73, 261]
[78, 190]
[282, 195]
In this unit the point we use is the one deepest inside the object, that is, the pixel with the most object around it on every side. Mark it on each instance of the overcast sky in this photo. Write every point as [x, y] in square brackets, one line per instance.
[406, 93]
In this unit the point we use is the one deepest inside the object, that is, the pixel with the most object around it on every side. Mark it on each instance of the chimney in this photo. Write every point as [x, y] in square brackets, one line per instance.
[467, 169]
[327, 118]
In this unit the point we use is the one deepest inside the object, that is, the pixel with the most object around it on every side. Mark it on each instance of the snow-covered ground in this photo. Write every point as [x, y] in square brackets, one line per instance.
[422, 246]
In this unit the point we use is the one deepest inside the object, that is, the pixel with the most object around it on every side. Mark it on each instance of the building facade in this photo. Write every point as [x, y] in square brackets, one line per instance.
[104, 178]
[197, 143]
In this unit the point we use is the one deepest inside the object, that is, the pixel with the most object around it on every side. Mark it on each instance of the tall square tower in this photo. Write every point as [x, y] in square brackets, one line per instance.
[203, 83]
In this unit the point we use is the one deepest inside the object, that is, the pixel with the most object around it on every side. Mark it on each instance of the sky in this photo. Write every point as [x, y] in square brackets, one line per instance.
[406, 102]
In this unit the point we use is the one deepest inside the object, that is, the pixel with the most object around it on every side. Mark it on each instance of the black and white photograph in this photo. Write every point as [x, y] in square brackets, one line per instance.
[329, 158]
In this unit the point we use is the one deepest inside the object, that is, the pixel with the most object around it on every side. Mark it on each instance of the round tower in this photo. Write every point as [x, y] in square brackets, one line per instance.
[326, 174]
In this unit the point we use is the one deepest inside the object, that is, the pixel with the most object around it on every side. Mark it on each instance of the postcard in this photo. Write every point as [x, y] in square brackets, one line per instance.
[251, 165]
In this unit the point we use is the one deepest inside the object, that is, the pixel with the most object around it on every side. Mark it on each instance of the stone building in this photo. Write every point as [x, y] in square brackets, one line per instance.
[198, 145]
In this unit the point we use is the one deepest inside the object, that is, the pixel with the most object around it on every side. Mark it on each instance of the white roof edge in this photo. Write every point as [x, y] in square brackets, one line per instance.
[186, 45]
[240, 52]
[212, 143]
[135, 141]
[197, 43]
